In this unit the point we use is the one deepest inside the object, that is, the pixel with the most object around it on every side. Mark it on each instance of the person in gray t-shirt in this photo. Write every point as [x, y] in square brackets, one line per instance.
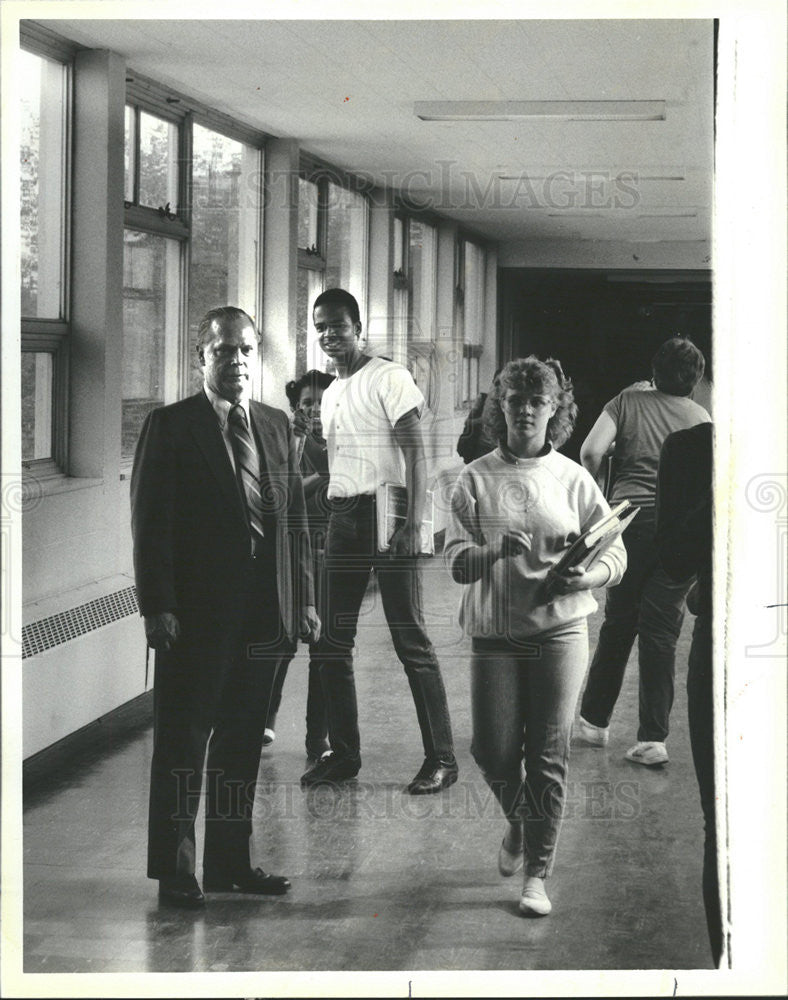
[646, 603]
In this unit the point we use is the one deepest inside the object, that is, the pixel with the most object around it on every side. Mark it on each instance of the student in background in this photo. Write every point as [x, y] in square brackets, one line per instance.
[647, 603]
[684, 543]
[305, 396]
[513, 511]
[473, 442]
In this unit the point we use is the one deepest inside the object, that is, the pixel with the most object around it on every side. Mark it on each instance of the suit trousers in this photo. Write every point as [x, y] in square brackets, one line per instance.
[212, 691]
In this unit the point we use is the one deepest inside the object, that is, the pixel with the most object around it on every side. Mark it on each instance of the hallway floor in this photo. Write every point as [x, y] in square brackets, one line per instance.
[381, 880]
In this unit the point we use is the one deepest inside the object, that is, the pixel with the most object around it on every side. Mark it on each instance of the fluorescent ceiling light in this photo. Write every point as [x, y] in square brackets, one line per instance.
[504, 111]
[577, 173]
[622, 213]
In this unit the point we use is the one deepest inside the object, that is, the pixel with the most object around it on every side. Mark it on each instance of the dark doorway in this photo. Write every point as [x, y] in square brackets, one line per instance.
[603, 327]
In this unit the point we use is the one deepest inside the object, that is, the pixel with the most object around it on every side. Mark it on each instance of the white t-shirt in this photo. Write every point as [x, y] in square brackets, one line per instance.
[358, 416]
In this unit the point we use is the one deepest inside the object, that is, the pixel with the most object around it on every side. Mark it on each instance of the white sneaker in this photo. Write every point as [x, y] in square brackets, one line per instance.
[268, 737]
[595, 736]
[510, 853]
[534, 901]
[647, 753]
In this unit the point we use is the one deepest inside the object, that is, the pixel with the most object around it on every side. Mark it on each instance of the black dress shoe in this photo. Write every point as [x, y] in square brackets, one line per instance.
[434, 776]
[181, 890]
[253, 881]
[331, 769]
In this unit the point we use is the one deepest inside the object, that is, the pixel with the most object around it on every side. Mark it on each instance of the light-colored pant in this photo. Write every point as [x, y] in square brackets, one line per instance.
[523, 699]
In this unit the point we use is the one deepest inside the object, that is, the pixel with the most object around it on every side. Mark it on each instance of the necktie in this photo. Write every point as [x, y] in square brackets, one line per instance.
[247, 467]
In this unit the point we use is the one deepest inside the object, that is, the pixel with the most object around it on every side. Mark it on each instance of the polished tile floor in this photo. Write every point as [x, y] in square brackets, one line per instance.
[381, 881]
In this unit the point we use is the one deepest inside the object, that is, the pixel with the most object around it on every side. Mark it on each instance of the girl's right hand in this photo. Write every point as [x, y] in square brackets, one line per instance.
[301, 424]
[512, 542]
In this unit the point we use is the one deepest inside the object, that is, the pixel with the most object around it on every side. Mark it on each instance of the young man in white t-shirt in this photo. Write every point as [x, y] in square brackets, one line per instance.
[370, 416]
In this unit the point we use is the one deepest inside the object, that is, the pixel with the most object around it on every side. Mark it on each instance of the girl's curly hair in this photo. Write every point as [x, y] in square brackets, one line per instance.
[533, 376]
[314, 379]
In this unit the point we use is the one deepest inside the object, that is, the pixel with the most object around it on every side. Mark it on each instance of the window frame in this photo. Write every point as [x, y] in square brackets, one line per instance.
[144, 94]
[52, 335]
[318, 172]
[469, 354]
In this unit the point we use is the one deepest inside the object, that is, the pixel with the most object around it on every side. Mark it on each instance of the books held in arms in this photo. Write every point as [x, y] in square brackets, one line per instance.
[589, 548]
[392, 506]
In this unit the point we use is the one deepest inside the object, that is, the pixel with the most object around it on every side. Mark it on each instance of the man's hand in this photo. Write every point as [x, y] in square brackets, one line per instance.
[162, 630]
[309, 624]
[406, 540]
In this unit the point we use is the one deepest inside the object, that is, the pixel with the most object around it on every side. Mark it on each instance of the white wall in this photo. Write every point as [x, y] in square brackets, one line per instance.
[596, 254]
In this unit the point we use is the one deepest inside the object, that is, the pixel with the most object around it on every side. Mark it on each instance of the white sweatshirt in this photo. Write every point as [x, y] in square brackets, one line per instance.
[552, 499]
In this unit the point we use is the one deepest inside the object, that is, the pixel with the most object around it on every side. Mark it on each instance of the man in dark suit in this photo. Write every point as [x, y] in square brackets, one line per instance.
[222, 566]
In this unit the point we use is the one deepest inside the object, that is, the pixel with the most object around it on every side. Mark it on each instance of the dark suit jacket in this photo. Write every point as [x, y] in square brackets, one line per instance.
[191, 537]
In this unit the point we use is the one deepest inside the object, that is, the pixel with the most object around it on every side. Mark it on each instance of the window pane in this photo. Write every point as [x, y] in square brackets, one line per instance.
[399, 244]
[42, 86]
[225, 231]
[151, 292]
[158, 162]
[37, 386]
[346, 250]
[307, 213]
[474, 293]
[308, 352]
[399, 345]
[129, 145]
[423, 248]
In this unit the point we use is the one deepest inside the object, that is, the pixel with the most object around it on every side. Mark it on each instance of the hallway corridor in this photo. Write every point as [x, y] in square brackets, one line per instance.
[381, 881]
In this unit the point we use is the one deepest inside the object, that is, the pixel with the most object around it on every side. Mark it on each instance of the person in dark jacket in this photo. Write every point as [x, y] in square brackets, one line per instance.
[684, 543]
[223, 575]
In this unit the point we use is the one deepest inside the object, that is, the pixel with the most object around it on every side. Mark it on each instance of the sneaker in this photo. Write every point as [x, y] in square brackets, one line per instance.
[595, 736]
[534, 901]
[268, 737]
[647, 753]
[331, 768]
[510, 853]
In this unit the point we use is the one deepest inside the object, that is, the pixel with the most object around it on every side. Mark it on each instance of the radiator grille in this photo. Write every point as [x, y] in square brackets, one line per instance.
[37, 637]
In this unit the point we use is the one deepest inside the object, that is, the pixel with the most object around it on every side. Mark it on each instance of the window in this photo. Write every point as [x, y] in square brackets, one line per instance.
[192, 242]
[153, 254]
[415, 289]
[422, 270]
[151, 320]
[469, 316]
[333, 227]
[399, 345]
[45, 88]
[225, 230]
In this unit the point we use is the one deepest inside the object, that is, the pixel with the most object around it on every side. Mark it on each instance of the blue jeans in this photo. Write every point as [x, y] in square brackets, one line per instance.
[523, 699]
[351, 553]
[649, 605]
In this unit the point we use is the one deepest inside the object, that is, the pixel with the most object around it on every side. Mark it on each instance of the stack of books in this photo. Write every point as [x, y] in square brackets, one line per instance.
[589, 548]
[392, 507]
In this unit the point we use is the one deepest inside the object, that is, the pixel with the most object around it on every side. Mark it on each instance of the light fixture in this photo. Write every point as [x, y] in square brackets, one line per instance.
[622, 213]
[504, 111]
